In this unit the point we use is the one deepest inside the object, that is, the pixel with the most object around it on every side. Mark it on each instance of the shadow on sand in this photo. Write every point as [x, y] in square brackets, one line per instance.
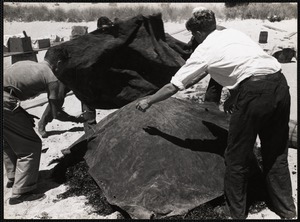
[58, 132]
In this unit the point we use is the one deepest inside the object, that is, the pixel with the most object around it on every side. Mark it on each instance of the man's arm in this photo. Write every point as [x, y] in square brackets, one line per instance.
[165, 92]
[56, 96]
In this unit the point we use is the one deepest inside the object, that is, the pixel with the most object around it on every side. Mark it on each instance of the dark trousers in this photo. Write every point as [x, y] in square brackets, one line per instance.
[21, 150]
[89, 116]
[213, 92]
[263, 109]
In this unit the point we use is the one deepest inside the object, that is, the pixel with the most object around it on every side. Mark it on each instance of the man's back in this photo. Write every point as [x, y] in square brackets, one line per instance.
[232, 56]
[28, 79]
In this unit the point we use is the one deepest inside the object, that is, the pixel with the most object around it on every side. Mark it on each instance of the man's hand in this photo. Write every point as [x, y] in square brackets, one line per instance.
[65, 117]
[80, 118]
[229, 105]
[143, 105]
[165, 92]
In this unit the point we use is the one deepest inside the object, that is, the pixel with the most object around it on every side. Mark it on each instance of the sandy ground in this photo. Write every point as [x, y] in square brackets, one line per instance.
[63, 134]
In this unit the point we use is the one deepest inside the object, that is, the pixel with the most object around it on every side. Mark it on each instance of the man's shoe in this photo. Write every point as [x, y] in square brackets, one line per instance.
[26, 197]
[10, 183]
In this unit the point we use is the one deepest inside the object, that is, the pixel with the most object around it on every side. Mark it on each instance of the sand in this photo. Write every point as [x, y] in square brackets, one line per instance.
[63, 134]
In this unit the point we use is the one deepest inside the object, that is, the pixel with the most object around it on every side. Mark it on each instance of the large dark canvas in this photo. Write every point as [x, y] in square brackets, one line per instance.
[163, 162]
[132, 59]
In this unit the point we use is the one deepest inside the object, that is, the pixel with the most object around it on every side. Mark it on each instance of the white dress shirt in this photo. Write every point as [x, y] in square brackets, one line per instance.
[229, 56]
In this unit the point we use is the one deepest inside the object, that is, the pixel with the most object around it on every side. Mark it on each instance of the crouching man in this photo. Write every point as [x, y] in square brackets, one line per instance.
[22, 146]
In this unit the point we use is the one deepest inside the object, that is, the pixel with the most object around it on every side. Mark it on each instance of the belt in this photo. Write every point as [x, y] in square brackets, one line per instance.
[264, 77]
[10, 101]
[261, 77]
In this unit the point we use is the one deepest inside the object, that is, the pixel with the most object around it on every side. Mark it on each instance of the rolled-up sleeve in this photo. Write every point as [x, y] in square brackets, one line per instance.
[190, 72]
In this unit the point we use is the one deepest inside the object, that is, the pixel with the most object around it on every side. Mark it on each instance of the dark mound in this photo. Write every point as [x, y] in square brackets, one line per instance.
[132, 59]
[285, 55]
[162, 162]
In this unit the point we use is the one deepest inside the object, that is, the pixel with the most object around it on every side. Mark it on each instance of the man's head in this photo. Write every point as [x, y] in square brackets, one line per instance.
[104, 23]
[54, 56]
[201, 23]
[78, 30]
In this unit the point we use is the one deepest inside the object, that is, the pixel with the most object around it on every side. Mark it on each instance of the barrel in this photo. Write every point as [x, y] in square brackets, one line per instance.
[263, 37]
[293, 134]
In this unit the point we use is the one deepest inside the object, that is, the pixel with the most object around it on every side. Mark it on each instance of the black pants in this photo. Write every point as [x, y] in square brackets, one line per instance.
[213, 92]
[263, 108]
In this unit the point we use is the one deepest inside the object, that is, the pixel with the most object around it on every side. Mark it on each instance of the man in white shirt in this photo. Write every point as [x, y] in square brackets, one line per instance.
[214, 89]
[262, 108]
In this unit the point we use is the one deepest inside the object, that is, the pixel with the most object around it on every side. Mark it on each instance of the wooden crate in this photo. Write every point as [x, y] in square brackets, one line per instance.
[5, 49]
[19, 44]
[43, 43]
[24, 56]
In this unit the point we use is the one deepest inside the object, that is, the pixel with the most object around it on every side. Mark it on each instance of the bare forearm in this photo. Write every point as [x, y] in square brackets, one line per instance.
[162, 94]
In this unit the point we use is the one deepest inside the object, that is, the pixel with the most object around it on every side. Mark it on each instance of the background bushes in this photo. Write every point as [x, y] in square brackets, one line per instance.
[29, 13]
[261, 11]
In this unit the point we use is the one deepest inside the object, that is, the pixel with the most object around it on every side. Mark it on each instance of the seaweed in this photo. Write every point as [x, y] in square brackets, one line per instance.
[80, 182]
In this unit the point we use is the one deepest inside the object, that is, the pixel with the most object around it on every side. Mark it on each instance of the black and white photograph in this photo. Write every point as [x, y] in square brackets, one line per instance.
[150, 110]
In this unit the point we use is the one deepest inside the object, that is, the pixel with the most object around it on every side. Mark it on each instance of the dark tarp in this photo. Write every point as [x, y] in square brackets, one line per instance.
[142, 173]
[132, 59]
[163, 162]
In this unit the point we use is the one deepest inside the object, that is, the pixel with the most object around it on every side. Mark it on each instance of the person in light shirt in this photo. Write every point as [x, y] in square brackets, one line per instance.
[262, 107]
[214, 89]
[22, 147]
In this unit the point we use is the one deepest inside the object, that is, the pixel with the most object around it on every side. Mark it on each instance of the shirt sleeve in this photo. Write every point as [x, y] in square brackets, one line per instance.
[191, 71]
[49, 75]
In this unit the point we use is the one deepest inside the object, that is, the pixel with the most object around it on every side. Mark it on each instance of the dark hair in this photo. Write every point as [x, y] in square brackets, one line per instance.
[202, 20]
[54, 54]
[104, 22]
